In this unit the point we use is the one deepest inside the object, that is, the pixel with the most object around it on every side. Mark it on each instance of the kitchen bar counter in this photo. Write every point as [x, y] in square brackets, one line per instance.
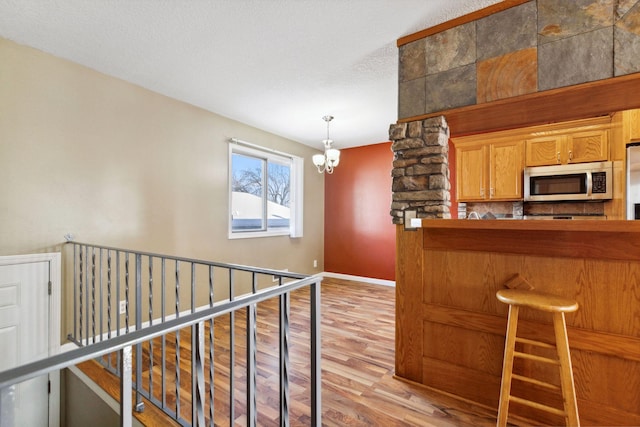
[450, 326]
[566, 238]
[522, 224]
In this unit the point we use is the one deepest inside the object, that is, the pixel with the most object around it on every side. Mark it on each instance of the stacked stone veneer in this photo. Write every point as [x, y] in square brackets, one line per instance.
[420, 169]
[533, 47]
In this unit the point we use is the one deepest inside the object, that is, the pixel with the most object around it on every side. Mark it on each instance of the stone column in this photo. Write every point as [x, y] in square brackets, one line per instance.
[420, 169]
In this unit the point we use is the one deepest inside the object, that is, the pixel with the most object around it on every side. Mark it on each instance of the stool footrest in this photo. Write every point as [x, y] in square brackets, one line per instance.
[534, 342]
[536, 382]
[537, 405]
[536, 358]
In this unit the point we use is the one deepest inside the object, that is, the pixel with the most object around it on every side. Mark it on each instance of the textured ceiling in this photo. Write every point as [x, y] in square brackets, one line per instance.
[278, 65]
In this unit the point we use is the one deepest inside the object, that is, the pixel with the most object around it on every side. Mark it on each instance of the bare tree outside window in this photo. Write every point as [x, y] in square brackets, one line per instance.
[248, 177]
[278, 184]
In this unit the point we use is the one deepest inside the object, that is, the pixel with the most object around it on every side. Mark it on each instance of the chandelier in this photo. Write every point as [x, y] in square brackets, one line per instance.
[329, 160]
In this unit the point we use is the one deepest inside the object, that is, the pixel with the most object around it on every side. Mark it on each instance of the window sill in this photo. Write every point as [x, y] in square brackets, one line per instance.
[257, 234]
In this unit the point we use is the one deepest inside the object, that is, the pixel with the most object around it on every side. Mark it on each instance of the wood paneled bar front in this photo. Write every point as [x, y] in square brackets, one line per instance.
[450, 327]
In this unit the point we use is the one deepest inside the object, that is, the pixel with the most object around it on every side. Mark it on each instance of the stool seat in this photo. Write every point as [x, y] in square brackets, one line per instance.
[557, 306]
[537, 300]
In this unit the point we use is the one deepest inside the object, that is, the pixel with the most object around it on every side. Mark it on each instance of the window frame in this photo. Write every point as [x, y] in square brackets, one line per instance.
[296, 172]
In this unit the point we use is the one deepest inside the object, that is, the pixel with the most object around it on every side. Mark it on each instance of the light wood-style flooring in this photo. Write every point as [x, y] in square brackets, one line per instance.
[358, 383]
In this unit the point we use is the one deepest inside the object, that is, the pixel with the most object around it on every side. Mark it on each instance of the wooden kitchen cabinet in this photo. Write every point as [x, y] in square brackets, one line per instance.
[634, 125]
[581, 144]
[588, 146]
[543, 151]
[489, 171]
[506, 162]
[490, 166]
[471, 172]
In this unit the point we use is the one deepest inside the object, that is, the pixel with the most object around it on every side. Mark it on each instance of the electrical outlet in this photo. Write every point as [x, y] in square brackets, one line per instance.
[123, 307]
[315, 263]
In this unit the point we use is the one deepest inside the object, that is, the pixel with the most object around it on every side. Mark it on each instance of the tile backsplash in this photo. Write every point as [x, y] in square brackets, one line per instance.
[497, 209]
[516, 210]
[564, 208]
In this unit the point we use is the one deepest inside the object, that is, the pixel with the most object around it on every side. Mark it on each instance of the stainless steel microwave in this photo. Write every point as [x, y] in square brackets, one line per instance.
[579, 181]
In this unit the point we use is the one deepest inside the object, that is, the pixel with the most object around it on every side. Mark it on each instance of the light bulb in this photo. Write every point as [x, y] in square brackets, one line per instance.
[333, 156]
[318, 159]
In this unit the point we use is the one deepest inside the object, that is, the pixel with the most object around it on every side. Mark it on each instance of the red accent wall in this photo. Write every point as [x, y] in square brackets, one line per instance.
[359, 237]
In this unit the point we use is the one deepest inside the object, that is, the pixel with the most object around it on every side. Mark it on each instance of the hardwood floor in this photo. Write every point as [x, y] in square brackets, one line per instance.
[358, 385]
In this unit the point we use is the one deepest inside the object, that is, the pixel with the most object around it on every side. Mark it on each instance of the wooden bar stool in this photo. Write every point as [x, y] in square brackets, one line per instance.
[557, 305]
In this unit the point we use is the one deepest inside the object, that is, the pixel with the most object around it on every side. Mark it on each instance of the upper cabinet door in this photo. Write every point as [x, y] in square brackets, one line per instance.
[588, 146]
[634, 125]
[544, 151]
[506, 160]
[471, 172]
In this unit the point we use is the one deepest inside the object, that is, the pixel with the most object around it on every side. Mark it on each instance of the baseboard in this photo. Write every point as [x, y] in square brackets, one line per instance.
[370, 280]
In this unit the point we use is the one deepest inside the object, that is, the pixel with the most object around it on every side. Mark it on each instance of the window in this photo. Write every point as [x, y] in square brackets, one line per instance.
[265, 193]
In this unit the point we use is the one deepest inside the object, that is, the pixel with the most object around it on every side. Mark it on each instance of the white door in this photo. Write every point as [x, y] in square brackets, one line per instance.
[24, 337]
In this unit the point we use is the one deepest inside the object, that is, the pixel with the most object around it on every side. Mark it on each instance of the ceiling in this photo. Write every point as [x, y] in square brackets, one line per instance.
[278, 65]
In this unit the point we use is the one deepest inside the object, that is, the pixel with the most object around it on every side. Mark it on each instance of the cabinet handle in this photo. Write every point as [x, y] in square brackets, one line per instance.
[570, 155]
[491, 192]
[482, 192]
[558, 157]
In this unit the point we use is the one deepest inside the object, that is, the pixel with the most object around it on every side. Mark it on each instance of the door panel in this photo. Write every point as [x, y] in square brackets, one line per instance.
[24, 335]
[471, 173]
[544, 151]
[507, 164]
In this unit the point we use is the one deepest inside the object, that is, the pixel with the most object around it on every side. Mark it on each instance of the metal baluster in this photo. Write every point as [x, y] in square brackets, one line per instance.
[197, 369]
[164, 337]
[150, 324]
[109, 294]
[252, 366]
[126, 292]
[101, 297]
[86, 295]
[193, 287]
[81, 290]
[118, 292]
[125, 386]
[109, 357]
[118, 354]
[284, 360]
[138, 296]
[232, 353]
[211, 352]
[93, 294]
[177, 340]
[196, 390]
[316, 369]
[75, 292]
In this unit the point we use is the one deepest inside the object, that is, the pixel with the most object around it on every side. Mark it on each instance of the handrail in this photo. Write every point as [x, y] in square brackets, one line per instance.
[72, 357]
[239, 267]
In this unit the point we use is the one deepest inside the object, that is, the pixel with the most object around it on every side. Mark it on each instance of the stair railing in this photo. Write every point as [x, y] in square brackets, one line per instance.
[112, 286]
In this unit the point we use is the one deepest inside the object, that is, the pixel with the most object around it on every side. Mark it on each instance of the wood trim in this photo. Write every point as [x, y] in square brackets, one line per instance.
[561, 128]
[409, 332]
[470, 17]
[557, 105]
[566, 244]
[624, 347]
